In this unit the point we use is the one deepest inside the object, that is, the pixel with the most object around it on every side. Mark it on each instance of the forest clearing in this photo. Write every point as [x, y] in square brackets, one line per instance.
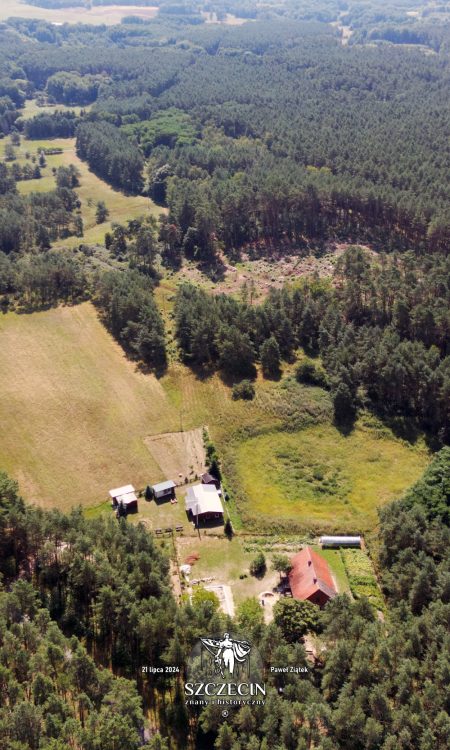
[328, 480]
[68, 390]
[109, 15]
[91, 190]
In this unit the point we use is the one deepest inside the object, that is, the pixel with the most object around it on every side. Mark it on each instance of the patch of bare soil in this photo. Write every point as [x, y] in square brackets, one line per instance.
[180, 455]
[272, 271]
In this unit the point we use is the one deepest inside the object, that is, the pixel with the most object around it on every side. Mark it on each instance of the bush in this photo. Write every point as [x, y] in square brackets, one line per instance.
[228, 529]
[244, 390]
[258, 565]
[309, 373]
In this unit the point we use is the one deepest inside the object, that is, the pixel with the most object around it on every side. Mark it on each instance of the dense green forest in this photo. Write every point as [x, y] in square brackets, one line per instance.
[277, 131]
[85, 600]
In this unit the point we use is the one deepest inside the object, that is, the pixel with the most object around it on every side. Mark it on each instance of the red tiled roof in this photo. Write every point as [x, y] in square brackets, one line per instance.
[309, 574]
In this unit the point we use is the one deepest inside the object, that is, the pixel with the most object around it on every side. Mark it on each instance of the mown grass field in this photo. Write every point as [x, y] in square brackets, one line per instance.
[91, 190]
[75, 412]
[31, 109]
[109, 15]
[317, 478]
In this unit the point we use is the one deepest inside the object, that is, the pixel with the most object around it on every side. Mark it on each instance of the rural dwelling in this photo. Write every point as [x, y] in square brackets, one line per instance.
[310, 578]
[125, 497]
[164, 490]
[210, 479]
[340, 541]
[203, 502]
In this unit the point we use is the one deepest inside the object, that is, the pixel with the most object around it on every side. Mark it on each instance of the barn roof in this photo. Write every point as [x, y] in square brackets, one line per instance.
[203, 498]
[162, 486]
[310, 573]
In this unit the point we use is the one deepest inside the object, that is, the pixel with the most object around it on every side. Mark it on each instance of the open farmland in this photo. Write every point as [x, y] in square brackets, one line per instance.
[109, 15]
[91, 190]
[75, 413]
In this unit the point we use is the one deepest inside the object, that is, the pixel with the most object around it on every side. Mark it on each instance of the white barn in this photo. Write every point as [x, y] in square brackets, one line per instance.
[203, 502]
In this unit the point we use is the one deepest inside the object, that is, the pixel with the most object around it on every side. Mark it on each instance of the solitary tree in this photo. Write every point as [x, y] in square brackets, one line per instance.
[281, 564]
[101, 213]
[295, 618]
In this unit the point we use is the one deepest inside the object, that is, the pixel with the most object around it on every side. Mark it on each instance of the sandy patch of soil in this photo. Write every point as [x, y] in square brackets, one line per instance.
[179, 455]
[263, 274]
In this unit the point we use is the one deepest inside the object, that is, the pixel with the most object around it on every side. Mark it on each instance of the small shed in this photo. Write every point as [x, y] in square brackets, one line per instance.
[164, 490]
[340, 541]
[125, 497]
[208, 478]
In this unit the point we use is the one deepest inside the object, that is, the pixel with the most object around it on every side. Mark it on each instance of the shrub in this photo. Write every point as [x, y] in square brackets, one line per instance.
[244, 390]
[309, 373]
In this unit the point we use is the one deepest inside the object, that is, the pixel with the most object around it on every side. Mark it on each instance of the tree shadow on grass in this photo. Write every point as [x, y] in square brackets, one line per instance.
[407, 429]
[146, 369]
[345, 427]
[214, 271]
[273, 377]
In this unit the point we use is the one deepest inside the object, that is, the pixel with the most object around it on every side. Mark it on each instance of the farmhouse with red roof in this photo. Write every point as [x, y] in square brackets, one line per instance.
[310, 578]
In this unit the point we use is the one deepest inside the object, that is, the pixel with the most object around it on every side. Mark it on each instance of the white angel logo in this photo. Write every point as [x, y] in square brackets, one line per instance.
[226, 652]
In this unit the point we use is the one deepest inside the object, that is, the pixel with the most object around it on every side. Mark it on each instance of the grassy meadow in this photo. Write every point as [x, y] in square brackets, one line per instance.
[317, 478]
[31, 109]
[91, 190]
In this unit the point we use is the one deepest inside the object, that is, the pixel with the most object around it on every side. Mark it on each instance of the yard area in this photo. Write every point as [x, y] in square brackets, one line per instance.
[225, 561]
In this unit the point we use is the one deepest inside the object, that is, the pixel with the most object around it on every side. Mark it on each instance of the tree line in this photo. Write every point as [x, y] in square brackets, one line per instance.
[110, 155]
[128, 309]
